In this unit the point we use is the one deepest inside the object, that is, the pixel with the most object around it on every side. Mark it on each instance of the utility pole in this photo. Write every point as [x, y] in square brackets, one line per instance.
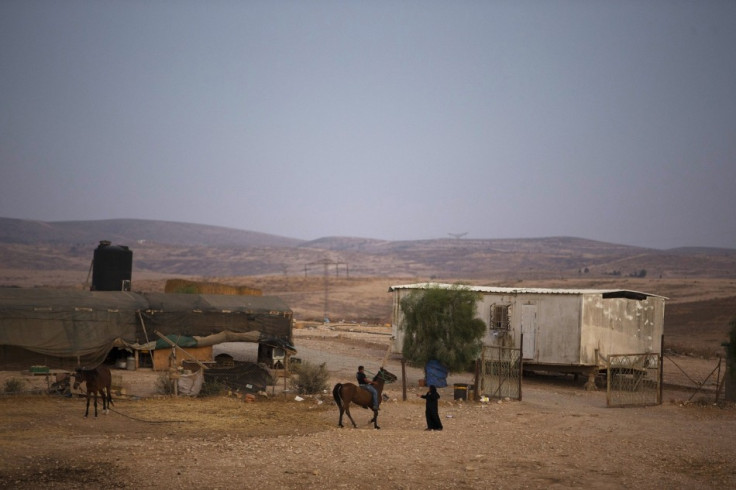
[326, 263]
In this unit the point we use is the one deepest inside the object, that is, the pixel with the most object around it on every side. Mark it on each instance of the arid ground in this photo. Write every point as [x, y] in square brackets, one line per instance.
[557, 436]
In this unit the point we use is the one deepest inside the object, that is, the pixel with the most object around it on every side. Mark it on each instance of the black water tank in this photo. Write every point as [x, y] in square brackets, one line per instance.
[112, 267]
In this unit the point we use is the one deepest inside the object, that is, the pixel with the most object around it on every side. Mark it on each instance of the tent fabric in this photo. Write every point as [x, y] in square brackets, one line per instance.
[196, 341]
[180, 340]
[207, 314]
[245, 376]
[227, 336]
[435, 374]
[59, 324]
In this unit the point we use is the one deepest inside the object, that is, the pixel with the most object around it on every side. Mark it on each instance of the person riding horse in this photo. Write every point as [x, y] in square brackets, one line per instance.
[346, 394]
[367, 384]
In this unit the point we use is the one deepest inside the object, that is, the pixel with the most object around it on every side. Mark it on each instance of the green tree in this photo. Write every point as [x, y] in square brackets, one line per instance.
[440, 324]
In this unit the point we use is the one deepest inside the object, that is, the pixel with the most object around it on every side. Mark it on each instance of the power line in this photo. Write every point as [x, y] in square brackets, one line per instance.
[326, 263]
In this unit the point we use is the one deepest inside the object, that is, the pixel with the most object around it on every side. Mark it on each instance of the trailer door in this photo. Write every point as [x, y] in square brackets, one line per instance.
[529, 330]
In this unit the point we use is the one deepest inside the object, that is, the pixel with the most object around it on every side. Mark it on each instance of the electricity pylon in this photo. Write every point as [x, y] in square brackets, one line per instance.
[327, 262]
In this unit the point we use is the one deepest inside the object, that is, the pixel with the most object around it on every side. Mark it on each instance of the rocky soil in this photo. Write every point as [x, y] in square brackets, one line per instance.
[557, 436]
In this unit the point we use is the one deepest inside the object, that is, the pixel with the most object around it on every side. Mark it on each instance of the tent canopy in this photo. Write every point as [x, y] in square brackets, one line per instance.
[80, 327]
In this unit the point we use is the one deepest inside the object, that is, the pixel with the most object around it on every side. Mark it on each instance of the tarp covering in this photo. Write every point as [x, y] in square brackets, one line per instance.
[214, 339]
[180, 340]
[227, 336]
[63, 327]
[435, 374]
[245, 376]
[207, 314]
[59, 323]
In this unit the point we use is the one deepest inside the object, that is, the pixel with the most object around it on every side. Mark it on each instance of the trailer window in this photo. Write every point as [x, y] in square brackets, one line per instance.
[500, 317]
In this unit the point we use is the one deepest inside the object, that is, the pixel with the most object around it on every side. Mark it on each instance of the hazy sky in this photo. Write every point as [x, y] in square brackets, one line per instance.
[397, 120]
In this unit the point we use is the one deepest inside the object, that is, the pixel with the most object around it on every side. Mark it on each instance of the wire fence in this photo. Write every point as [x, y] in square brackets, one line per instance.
[707, 380]
[500, 372]
[634, 380]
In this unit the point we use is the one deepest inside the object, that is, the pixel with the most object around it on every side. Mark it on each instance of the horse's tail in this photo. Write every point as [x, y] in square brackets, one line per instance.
[336, 394]
[104, 379]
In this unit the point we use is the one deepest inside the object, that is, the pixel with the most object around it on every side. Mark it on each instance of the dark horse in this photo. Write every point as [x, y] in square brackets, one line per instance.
[347, 393]
[96, 380]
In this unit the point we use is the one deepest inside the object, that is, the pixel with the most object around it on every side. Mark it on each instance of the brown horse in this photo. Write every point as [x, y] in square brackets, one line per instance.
[96, 380]
[347, 393]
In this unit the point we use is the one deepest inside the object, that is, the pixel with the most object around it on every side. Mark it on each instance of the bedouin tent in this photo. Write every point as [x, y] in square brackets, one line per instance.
[63, 328]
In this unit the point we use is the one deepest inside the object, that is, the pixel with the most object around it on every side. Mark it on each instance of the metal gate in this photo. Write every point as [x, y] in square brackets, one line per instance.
[500, 372]
[634, 380]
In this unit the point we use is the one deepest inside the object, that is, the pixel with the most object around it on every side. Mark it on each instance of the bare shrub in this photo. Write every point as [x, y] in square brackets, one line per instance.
[310, 378]
[14, 385]
[165, 384]
[213, 388]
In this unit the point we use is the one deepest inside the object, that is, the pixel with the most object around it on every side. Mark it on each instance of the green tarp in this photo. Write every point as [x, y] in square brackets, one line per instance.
[62, 327]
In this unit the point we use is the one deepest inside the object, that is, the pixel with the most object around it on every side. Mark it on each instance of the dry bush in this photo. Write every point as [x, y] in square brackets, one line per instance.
[165, 384]
[310, 378]
[14, 385]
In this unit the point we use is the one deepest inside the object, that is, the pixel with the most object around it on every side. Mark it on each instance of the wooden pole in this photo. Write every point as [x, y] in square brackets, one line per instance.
[476, 388]
[521, 362]
[403, 377]
[385, 356]
[145, 332]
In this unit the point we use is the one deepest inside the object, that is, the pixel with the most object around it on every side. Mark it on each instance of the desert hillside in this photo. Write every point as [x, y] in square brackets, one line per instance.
[190, 249]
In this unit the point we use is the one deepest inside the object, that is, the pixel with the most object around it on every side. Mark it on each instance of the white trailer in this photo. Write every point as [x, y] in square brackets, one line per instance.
[564, 330]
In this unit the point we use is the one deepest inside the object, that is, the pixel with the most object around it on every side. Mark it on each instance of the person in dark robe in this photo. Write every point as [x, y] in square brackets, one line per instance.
[431, 411]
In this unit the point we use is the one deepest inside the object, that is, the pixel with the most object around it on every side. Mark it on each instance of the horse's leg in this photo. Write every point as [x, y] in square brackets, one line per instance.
[107, 384]
[95, 392]
[375, 419]
[347, 411]
[109, 395]
[337, 395]
[86, 411]
[105, 405]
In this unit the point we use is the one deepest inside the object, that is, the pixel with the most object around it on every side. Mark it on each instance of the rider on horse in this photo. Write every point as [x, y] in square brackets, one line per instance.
[367, 384]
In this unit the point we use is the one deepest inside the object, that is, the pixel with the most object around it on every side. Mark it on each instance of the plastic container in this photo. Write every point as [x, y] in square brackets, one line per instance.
[460, 391]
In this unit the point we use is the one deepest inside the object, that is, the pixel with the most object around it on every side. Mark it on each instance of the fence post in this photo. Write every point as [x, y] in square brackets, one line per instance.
[476, 396]
[719, 382]
[661, 370]
[403, 377]
[729, 377]
[521, 361]
[608, 382]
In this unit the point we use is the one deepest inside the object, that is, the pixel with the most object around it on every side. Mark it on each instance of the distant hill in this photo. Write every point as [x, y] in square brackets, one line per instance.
[131, 231]
[208, 251]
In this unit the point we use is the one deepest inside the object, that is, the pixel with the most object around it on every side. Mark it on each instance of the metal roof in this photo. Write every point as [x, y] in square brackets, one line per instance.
[509, 290]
